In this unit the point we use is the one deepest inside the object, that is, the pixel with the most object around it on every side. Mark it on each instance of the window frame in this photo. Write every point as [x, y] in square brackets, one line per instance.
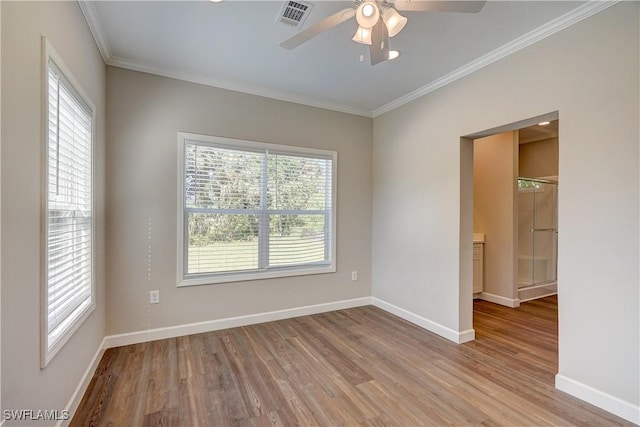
[50, 54]
[274, 272]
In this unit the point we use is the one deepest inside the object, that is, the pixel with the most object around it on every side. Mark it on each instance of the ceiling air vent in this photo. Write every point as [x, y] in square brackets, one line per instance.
[294, 13]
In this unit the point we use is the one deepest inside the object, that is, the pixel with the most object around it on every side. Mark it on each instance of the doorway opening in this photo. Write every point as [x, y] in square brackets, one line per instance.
[509, 216]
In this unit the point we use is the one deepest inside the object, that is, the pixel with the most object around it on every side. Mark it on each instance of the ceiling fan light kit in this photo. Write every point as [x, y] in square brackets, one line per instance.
[394, 21]
[374, 31]
[367, 14]
[363, 35]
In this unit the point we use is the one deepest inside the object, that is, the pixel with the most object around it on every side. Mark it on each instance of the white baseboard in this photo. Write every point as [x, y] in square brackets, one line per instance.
[497, 299]
[602, 400]
[584, 392]
[78, 393]
[423, 322]
[466, 336]
[230, 322]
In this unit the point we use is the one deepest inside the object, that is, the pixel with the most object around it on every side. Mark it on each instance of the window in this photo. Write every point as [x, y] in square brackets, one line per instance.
[250, 210]
[68, 292]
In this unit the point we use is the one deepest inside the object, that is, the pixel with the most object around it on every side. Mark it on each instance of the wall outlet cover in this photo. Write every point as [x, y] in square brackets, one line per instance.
[154, 297]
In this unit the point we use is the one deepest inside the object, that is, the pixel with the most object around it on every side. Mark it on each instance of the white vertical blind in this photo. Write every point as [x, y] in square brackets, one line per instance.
[68, 208]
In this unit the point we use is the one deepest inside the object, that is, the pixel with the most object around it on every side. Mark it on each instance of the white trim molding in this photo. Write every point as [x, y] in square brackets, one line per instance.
[80, 390]
[50, 342]
[263, 269]
[584, 11]
[584, 392]
[431, 326]
[270, 316]
[251, 319]
[230, 322]
[550, 28]
[237, 87]
[497, 299]
[609, 403]
[91, 16]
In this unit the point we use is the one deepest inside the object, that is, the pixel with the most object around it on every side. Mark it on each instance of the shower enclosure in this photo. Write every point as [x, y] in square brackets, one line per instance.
[537, 233]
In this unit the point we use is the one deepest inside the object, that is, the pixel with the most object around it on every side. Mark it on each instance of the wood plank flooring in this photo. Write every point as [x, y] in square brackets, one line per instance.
[359, 366]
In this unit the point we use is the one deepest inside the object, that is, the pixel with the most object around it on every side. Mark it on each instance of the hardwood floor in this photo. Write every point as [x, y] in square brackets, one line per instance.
[359, 366]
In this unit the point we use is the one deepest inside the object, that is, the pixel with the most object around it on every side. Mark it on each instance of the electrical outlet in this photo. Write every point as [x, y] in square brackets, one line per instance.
[354, 275]
[154, 297]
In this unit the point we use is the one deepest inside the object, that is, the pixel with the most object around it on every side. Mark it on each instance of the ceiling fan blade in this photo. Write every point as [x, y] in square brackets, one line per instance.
[439, 6]
[379, 49]
[319, 27]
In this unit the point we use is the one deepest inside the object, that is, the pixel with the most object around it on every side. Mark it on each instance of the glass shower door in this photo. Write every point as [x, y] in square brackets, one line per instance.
[545, 234]
[538, 232]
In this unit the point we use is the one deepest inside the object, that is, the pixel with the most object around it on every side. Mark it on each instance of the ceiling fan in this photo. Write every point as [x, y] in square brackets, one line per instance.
[379, 20]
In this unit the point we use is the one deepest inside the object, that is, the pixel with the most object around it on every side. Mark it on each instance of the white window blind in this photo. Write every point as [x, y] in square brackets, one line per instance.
[69, 231]
[255, 208]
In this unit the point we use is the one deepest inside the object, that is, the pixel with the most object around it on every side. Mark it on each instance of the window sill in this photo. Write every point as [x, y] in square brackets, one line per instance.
[249, 276]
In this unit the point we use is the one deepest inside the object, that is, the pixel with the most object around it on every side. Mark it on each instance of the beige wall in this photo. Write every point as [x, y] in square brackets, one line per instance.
[417, 185]
[494, 201]
[417, 181]
[145, 113]
[539, 159]
[24, 384]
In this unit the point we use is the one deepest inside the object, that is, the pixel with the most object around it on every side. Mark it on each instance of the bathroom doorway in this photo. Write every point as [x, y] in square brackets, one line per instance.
[537, 211]
[511, 218]
[515, 214]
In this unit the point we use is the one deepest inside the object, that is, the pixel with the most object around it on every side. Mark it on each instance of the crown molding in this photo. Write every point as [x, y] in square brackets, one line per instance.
[91, 16]
[582, 12]
[237, 87]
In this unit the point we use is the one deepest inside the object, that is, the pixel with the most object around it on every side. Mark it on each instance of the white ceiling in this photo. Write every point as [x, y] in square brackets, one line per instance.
[234, 45]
